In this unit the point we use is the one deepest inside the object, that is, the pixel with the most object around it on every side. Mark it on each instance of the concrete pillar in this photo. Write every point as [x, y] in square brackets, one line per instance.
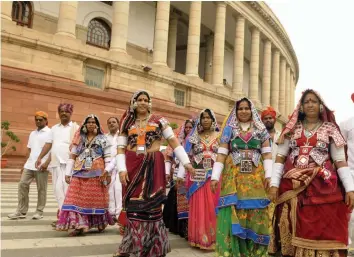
[274, 96]
[208, 71]
[267, 63]
[6, 10]
[254, 65]
[161, 33]
[293, 88]
[193, 47]
[287, 92]
[219, 44]
[120, 26]
[67, 19]
[172, 42]
[239, 49]
[282, 80]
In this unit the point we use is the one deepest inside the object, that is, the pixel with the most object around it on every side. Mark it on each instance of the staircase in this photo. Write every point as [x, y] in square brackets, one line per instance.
[14, 175]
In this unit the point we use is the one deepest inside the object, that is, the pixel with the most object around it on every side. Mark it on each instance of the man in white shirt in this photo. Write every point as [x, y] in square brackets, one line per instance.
[36, 141]
[115, 188]
[347, 129]
[59, 143]
[269, 117]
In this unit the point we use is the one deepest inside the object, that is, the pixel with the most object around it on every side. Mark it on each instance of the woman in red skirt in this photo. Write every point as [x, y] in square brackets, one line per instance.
[311, 184]
[86, 201]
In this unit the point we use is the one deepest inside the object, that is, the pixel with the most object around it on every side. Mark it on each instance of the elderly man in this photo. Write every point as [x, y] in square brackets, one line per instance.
[347, 129]
[36, 141]
[59, 143]
[269, 117]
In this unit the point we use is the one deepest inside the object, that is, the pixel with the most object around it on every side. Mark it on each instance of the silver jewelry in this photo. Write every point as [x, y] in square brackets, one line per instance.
[321, 108]
[84, 129]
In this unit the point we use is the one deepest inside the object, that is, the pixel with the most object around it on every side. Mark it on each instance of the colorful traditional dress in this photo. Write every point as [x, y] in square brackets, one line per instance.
[243, 221]
[175, 213]
[311, 217]
[202, 202]
[86, 201]
[145, 234]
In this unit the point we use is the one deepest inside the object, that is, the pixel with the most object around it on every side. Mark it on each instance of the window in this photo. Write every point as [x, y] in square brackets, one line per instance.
[22, 13]
[99, 33]
[94, 77]
[179, 97]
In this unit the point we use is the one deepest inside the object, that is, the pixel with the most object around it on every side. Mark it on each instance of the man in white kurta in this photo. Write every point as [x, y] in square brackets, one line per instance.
[115, 188]
[347, 129]
[59, 143]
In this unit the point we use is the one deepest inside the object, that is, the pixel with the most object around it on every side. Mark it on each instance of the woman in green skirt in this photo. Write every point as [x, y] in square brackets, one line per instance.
[245, 161]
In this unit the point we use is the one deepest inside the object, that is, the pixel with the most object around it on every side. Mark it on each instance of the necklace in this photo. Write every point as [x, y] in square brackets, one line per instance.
[245, 126]
[310, 132]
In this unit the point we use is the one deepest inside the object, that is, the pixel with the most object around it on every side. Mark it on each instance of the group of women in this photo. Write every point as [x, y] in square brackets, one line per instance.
[222, 182]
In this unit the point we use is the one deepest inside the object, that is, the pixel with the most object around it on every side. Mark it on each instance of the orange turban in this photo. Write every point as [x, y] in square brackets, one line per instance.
[41, 114]
[269, 111]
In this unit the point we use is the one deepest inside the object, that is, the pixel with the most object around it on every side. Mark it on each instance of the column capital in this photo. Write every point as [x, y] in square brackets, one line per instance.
[237, 16]
[220, 3]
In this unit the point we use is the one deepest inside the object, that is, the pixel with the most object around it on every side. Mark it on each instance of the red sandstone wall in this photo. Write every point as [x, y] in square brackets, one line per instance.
[24, 92]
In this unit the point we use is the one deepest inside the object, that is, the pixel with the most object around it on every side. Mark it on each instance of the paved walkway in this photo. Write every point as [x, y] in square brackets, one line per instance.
[35, 238]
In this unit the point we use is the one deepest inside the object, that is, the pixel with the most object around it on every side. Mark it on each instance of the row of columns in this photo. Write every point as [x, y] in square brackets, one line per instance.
[278, 78]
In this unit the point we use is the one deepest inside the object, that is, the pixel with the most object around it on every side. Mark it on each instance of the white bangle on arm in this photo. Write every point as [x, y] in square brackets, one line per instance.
[111, 165]
[168, 133]
[121, 164]
[346, 178]
[181, 173]
[69, 167]
[181, 155]
[277, 174]
[268, 166]
[168, 166]
[217, 169]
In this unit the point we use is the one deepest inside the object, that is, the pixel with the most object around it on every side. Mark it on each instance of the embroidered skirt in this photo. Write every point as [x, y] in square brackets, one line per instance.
[85, 205]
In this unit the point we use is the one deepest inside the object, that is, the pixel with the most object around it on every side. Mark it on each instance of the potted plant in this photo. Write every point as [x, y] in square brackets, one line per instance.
[8, 138]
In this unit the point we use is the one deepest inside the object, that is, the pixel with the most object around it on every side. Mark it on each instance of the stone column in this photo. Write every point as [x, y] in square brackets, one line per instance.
[172, 41]
[6, 10]
[293, 88]
[193, 47]
[287, 92]
[254, 65]
[239, 48]
[274, 96]
[120, 26]
[67, 19]
[282, 80]
[219, 44]
[208, 71]
[161, 33]
[267, 63]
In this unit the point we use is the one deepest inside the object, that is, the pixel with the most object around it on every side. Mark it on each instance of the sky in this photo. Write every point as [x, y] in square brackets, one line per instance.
[322, 36]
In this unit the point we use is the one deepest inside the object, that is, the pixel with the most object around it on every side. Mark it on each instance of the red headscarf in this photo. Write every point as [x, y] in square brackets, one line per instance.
[353, 97]
[325, 115]
[269, 111]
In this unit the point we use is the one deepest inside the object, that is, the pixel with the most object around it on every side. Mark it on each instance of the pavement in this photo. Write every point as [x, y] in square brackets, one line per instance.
[36, 238]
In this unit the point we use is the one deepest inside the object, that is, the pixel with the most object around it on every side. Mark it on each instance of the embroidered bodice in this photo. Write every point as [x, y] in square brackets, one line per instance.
[314, 148]
[152, 130]
[244, 146]
[94, 149]
[203, 149]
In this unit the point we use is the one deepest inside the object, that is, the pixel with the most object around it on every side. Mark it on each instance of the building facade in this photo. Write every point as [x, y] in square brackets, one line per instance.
[188, 55]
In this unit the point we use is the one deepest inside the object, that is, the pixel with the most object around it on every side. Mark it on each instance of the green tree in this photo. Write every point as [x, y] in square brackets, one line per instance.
[8, 138]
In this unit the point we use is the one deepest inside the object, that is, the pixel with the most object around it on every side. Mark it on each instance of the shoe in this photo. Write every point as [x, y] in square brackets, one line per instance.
[54, 224]
[37, 216]
[16, 215]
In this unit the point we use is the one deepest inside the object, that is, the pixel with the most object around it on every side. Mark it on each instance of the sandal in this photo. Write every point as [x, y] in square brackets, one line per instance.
[76, 232]
[54, 224]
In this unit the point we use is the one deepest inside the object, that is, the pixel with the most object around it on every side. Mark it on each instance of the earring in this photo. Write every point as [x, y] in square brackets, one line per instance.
[321, 107]
[95, 131]
[84, 129]
[149, 106]
[301, 109]
[213, 126]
